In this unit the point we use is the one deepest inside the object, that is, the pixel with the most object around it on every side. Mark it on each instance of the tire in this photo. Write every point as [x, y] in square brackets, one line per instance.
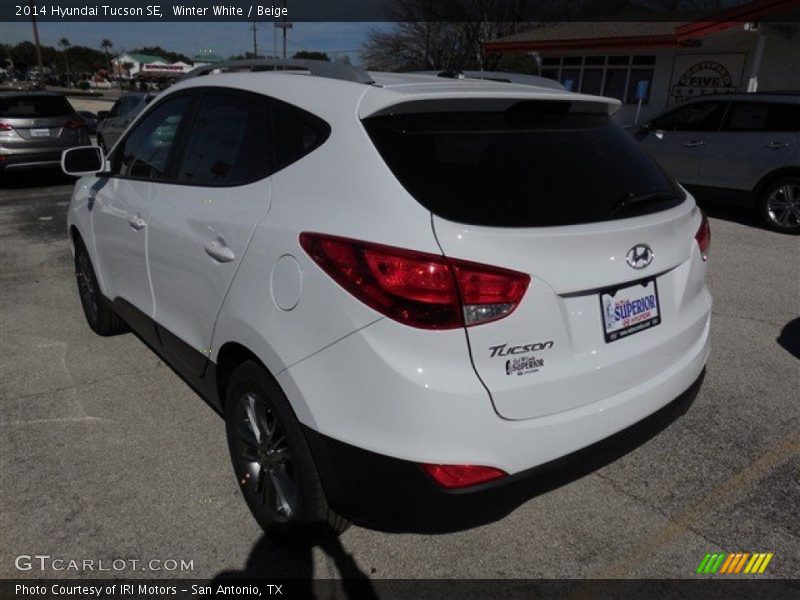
[272, 462]
[779, 205]
[99, 315]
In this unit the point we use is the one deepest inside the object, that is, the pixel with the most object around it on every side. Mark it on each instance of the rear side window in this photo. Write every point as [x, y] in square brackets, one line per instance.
[145, 152]
[751, 116]
[34, 107]
[698, 116]
[533, 165]
[229, 142]
[297, 133]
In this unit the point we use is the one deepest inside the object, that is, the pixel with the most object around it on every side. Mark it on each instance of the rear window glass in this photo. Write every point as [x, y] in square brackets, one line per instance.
[535, 164]
[34, 107]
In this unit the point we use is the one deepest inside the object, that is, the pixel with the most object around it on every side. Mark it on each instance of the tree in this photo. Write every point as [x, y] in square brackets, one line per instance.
[23, 55]
[165, 54]
[450, 34]
[106, 44]
[65, 44]
[311, 55]
[246, 56]
[127, 66]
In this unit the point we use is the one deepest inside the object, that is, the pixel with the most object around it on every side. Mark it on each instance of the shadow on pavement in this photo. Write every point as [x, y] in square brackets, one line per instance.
[271, 561]
[789, 339]
[35, 178]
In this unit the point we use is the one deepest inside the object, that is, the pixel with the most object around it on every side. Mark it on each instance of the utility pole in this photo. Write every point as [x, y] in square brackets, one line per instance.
[285, 25]
[40, 76]
[255, 41]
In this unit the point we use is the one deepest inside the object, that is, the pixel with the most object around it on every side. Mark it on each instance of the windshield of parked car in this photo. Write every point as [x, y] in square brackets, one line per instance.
[534, 164]
[34, 107]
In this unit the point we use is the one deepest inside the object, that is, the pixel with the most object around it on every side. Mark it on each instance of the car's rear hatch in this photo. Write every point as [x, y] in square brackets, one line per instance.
[38, 122]
[557, 191]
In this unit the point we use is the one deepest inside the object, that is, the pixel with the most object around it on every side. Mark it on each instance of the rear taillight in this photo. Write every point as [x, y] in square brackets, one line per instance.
[74, 124]
[703, 236]
[5, 126]
[461, 476]
[418, 289]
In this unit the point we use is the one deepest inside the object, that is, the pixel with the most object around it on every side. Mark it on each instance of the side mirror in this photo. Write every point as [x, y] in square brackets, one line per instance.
[102, 114]
[83, 160]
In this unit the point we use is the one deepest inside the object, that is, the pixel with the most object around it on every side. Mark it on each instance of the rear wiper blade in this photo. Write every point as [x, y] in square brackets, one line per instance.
[630, 200]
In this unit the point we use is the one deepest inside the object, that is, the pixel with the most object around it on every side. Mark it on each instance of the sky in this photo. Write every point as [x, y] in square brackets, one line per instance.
[225, 39]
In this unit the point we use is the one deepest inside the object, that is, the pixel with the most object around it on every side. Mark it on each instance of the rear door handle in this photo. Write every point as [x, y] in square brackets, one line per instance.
[219, 251]
[777, 145]
[137, 222]
[694, 143]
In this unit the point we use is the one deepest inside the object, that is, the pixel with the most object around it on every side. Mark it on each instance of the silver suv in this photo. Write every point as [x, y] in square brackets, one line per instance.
[114, 122]
[35, 128]
[744, 148]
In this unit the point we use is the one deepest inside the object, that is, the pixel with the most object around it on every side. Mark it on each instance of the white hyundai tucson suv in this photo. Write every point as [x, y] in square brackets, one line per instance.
[402, 291]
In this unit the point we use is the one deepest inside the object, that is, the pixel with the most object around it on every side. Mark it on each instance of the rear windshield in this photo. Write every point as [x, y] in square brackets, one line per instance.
[34, 107]
[536, 164]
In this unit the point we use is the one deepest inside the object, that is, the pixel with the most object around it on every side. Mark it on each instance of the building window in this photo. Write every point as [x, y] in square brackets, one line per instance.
[616, 81]
[620, 77]
[592, 82]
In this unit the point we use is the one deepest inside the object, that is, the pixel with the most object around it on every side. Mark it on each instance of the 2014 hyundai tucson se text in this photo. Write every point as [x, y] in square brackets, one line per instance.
[397, 289]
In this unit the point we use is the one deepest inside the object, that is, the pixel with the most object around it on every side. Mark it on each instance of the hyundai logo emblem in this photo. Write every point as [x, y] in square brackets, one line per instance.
[640, 256]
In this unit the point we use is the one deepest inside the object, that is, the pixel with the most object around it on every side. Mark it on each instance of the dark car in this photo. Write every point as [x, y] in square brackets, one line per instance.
[90, 119]
[35, 128]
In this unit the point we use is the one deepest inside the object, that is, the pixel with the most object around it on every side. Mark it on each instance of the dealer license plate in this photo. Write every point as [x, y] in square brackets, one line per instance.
[629, 310]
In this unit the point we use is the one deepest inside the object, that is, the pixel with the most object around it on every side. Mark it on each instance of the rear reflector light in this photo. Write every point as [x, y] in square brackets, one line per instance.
[422, 290]
[74, 124]
[461, 476]
[703, 236]
[5, 126]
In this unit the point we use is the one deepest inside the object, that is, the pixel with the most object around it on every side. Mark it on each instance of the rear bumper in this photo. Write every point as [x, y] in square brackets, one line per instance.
[397, 495]
[382, 390]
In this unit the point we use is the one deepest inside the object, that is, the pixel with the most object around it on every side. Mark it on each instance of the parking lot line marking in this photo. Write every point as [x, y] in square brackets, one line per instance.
[685, 519]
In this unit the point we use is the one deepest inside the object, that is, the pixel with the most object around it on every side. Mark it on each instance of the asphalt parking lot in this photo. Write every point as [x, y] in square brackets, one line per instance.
[106, 454]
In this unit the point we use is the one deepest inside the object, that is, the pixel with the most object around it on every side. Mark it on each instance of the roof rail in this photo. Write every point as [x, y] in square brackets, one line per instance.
[318, 68]
[501, 76]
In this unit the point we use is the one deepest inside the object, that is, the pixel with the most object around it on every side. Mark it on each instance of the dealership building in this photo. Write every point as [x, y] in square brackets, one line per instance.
[148, 66]
[652, 65]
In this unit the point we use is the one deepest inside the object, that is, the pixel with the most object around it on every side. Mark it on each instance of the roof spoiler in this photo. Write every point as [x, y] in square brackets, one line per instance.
[317, 68]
